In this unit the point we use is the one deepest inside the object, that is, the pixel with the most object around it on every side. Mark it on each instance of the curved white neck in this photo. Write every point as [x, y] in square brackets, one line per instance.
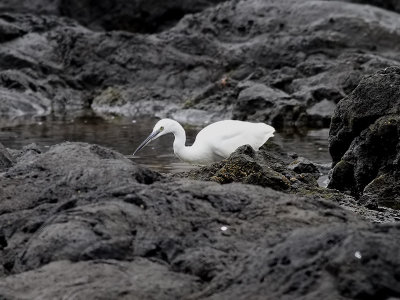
[180, 137]
[180, 149]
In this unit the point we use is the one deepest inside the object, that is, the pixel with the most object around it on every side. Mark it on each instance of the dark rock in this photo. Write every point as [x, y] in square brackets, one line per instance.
[84, 214]
[260, 102]
[108, 279]
[376, 96]
[339, 255]
[303, 165]
[9, 31]
[31, 6]
[386, 4]
[365, 139]
[383, 190]
[209, 66]
[312, 71]
[135, 16]
[6, 160]
[268, 167]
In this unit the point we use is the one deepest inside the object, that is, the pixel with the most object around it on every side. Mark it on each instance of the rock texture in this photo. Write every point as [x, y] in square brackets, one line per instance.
[133, 15]
[386, 4]
[5, 158]
[81, 221]
[269, 167]
[365, 140]
[256, 60]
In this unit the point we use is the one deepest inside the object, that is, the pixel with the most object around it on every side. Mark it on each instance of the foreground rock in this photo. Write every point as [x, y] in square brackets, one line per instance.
[83, 221]
[256, 60]
[365, 140]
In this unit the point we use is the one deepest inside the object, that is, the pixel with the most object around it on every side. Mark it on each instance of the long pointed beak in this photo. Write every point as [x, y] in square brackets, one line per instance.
[146, 141]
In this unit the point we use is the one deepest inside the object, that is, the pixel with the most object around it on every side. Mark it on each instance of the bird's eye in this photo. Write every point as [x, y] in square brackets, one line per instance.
[161, 128]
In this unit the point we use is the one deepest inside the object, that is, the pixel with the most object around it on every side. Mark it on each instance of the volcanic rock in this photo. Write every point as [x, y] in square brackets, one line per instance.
[212, 62]
[5, 158]
[303, 165]
[83, 221]
[365, 139]
[268, 167]
[129, 15]
[387, 4]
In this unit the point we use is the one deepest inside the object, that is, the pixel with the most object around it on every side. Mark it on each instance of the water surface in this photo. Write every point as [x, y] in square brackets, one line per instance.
[125, 134]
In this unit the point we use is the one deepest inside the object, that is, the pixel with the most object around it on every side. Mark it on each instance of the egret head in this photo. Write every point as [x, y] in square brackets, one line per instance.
[162, 127]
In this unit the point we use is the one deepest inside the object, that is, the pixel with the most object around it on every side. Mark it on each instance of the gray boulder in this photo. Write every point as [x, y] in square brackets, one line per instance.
[209, 62]
[83, 221]
[365, 139]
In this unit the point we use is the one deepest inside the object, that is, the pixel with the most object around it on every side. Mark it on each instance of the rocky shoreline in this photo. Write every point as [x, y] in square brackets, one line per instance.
[81, 221]
[99, 226]
[257, 224]
[256, 60]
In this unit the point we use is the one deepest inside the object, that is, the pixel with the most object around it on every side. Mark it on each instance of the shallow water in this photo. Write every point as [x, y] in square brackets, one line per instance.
[125, 134]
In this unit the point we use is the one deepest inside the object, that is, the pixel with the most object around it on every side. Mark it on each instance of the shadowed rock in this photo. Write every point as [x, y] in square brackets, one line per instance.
[365, 139]
[84, 214]
[5, 158]
[269, 167]
[129, 15]
[252, 60]
[303, 165]
[386, 4]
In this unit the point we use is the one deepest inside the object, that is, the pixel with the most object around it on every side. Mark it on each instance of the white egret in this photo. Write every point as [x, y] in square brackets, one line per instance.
[214, 142]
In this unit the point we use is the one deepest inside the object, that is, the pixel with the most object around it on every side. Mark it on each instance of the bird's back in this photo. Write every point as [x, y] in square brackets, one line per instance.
[224, 137]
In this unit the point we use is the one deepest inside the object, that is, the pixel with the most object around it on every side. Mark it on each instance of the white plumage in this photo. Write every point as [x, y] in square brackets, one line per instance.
[214, 142]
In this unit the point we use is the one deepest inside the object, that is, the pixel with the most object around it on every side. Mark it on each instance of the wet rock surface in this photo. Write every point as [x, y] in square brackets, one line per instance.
[82, 221]
[365, 140]
[256, 60]
[5, 158]
[386, 4]
[122, 231]
[269, 167]
[133, 15]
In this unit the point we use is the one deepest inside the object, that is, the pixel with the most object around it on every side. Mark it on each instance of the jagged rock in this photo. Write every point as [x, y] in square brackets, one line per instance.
[202, 64]
[268, 167]
[376, 96]
[130, 15]
[83, 220]
[386, 4]
[9, 31]
[327, 252]
[365, 139]
[6, 160]
[303, 165]
[260, 102]
[383, 190]
[318, 67]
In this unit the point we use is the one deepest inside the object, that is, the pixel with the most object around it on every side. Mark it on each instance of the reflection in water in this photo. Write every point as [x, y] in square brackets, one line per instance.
[125, 134]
